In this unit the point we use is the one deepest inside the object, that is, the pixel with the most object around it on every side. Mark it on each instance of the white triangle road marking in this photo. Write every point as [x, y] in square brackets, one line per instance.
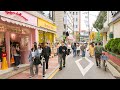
[87, 68]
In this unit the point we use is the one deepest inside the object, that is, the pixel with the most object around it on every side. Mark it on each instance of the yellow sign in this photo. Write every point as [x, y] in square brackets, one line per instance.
[46, 24]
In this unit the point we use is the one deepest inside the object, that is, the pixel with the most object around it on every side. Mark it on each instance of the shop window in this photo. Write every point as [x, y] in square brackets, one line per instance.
[2, 43]
[2, 39]
[24, 42]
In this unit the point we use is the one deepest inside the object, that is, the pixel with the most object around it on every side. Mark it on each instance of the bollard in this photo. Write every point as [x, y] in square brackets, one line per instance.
[43, 67]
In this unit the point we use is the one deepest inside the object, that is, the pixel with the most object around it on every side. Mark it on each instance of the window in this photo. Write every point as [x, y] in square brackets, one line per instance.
[73, 13]
[76, 13]
[76, 26]
[2, 39]
[76, 19]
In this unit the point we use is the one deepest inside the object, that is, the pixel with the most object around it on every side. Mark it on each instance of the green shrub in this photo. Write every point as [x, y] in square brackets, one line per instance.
[107, 46]
[114, 45]
[118, 48]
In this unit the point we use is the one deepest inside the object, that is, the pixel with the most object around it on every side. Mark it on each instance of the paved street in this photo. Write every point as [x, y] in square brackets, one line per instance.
[77, 68]
[53, 63]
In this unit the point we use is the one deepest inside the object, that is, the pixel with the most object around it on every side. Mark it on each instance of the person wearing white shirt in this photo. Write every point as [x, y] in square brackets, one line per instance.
[69, 48]
[40, 52]
[78, 49]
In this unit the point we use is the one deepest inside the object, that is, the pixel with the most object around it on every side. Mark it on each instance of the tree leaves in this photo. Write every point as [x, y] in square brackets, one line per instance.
[100, 20]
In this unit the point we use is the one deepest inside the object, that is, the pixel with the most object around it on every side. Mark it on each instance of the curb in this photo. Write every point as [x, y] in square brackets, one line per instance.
[11, 73]
[49, 76]
[113, 70]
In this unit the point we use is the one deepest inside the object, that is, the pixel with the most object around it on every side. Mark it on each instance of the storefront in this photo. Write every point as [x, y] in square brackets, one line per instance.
[47, 31]
[17, 27]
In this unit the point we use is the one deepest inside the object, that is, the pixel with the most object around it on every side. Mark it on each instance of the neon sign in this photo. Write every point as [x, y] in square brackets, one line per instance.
[16, 13]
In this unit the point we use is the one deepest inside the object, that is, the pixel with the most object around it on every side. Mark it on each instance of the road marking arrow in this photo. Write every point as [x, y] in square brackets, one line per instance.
[87, 68]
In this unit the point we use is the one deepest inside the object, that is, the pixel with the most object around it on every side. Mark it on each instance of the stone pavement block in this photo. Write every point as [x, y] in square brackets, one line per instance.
[53, 63]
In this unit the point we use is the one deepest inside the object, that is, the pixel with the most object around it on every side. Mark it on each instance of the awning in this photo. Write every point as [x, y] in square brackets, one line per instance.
[18, 23]
[46, 30]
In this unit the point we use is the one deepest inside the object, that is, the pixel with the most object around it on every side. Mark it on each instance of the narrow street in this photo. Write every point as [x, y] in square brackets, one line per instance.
[83, 69]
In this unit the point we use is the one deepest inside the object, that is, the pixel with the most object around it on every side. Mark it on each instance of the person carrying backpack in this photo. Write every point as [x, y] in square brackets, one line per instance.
[98, 52]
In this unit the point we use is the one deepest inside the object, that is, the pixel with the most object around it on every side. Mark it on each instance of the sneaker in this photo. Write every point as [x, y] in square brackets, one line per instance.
[30, 76]
[60, 68]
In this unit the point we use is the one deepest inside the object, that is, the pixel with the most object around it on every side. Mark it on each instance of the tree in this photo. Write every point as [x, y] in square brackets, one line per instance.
[100, 20]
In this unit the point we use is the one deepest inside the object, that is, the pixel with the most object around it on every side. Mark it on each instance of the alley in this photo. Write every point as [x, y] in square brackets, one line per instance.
[88, 70]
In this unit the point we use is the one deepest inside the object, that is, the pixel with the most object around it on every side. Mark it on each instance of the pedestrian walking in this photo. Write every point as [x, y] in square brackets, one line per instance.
[69, 48]
[62, 55]
[78, 49]
[40, 52]
[83, 49]
[34, 60]
[98, 52]
[91, 49]
[16, 54]
[74, 49]
[46, 52]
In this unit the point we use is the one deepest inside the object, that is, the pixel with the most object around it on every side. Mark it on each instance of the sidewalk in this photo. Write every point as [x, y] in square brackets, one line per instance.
[53, 66]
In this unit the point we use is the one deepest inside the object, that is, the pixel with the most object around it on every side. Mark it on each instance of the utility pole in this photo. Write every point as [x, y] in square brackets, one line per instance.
[88, 26]
[88, 23]
[79, 25]
[73, 26]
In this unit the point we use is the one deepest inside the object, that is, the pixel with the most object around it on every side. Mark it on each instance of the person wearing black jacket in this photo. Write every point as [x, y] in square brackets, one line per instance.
[62, 54]
[46, 52]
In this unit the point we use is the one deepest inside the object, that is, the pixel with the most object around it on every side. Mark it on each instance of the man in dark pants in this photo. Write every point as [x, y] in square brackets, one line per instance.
[46, 53]
[98, 52]
[62, 54]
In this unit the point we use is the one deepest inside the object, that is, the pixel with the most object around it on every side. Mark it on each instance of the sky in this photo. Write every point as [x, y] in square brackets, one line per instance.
[84, 21]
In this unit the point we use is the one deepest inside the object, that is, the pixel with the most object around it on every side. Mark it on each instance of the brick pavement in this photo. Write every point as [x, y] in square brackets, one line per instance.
[53, 63]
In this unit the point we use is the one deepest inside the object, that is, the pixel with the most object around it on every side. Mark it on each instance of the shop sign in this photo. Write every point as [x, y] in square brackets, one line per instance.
[45, 24]
[16, 13]
[20, 16]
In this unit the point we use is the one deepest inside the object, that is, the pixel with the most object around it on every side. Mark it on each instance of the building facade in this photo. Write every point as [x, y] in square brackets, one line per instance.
[76, 20]
[17, 27]
[25, 28]
[111, 26]
[59, 21]
[64, 22]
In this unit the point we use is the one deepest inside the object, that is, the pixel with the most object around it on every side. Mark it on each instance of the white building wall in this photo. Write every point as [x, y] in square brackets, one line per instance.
[116, 30]
[78, 20]
[69, 22]
[59, 20]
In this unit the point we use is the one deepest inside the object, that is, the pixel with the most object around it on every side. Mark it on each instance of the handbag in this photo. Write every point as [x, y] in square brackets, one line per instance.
[12, 60]
[37, 61]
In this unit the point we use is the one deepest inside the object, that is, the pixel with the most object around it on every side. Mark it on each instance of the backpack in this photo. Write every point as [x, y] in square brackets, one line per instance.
[99, 50]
